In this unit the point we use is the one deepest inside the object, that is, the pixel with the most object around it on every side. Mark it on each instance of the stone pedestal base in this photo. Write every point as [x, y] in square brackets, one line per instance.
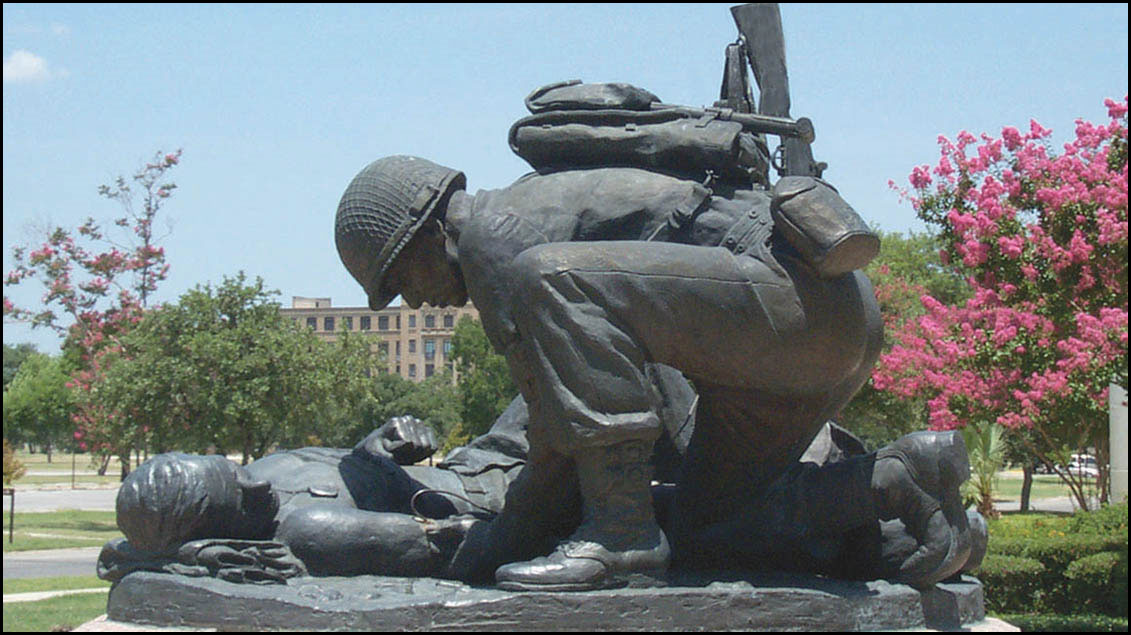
[772, 602]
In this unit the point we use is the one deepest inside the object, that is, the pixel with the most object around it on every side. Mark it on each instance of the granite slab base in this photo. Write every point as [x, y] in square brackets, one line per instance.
[719, 602]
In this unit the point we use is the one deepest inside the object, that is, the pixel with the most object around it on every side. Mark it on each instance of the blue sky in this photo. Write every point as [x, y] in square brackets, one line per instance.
[278, 106]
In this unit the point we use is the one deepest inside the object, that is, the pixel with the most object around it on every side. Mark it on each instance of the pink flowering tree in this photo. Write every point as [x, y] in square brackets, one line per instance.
[96, 287]
[1041, 237]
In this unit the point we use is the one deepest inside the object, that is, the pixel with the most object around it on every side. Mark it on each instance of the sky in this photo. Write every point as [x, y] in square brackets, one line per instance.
[277, 107]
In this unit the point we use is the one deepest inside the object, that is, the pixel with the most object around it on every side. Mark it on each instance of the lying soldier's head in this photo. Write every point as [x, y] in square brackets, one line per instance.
[174, 498]
[390, 236]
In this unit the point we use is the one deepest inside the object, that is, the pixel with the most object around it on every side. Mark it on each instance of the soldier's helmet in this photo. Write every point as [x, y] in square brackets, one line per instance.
[380, 212]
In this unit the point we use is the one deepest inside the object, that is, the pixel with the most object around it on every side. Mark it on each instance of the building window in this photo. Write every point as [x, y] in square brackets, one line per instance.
[398, 353]
[447, 348]
[412, 370]
[412, 321]
[328, 324]
[382, 322]
[383, 348]
[412, 346]
[449, 321]
[366, 323]
[398, 369]
[429, 370]
[429, 321]
[429, 349]
[348, 322]
[398, 322]
[312, 323]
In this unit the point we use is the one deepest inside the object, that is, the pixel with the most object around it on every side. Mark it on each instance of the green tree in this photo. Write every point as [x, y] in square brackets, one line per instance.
[38, 405]
[13, 357]
[986, 445]
[907, 267]
[13, 467]
[484, 380]
[222, 368]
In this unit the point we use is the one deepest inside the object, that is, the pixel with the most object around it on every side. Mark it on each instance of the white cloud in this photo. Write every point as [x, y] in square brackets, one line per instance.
[25, 66]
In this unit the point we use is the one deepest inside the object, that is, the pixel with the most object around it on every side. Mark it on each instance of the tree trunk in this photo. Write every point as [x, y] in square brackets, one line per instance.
[105, 464]
[125, 459]
[1026, 484]
[47, 449]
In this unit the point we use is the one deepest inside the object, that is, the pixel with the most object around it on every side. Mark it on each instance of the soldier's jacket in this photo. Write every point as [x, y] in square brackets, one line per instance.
[606, 204]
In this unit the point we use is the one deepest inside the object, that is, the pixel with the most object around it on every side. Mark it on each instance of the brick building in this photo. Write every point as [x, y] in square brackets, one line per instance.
[416, 343]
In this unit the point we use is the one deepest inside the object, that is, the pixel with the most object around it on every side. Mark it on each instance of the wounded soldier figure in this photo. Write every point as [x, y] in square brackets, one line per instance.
[327, 511]
[322, 511]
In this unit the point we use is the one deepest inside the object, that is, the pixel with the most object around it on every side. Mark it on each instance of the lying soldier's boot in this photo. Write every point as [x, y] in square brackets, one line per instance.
[618, 542]
[917, 479]
[897, 546]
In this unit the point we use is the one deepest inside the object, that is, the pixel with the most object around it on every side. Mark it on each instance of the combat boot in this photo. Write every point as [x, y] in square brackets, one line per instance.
[618, 542]
[916, 479]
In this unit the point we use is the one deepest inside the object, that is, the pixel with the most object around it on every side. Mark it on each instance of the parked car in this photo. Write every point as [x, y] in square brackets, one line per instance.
[1084, 465]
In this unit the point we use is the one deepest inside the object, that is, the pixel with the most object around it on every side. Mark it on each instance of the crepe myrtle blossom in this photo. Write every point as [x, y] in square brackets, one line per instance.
[1041, 238]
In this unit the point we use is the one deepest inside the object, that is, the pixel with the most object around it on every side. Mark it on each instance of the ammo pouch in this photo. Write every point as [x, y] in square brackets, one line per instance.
[828, 233]
[578, 125]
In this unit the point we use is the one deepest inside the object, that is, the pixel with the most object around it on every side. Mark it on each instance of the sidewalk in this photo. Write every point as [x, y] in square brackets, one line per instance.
[1060, 504]
[35, 596]
[49, 563]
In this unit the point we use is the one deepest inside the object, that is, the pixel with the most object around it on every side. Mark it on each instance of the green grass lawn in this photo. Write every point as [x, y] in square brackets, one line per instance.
[58, 583]
[53, 615]
[60, 462]
[59, 530]
[1044, 486]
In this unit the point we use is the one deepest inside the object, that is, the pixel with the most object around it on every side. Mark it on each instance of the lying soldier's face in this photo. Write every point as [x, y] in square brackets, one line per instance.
[425, 271]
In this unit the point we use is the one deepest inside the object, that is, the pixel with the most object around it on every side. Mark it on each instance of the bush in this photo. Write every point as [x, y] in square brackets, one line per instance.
[1111, 519]
[1082, 558]
[1098, 583]
[1011, 583]
[1030, 623]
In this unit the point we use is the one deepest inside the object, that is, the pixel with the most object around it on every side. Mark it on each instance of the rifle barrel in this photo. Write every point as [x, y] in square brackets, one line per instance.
[800, 128]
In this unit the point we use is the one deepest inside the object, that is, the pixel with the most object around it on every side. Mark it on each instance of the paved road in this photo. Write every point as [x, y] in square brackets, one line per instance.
[1059, 504]
[56, 562]
[49, 500]
[50, 563]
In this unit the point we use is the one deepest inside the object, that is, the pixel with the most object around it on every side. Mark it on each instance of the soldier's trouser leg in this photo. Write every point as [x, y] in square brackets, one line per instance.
[589, 315]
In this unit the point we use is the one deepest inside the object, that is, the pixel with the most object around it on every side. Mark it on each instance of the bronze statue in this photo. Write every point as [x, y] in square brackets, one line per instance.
[648, 253]
[650, 234]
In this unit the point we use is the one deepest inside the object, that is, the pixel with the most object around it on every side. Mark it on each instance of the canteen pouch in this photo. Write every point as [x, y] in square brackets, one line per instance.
[828, 233]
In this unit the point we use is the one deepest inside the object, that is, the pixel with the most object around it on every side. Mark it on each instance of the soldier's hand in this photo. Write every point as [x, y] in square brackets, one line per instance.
[405, 439]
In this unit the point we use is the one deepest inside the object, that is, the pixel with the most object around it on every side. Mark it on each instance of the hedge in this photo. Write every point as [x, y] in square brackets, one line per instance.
[1058, 564]
[1011, 583]
[1098, 583]
[1031, 623]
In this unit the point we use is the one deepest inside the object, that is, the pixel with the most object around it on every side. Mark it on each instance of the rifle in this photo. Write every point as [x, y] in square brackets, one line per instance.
[760, 34]
[800, 129]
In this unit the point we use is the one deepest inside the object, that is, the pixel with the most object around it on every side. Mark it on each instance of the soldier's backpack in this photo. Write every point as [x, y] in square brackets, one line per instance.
[577, 125]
